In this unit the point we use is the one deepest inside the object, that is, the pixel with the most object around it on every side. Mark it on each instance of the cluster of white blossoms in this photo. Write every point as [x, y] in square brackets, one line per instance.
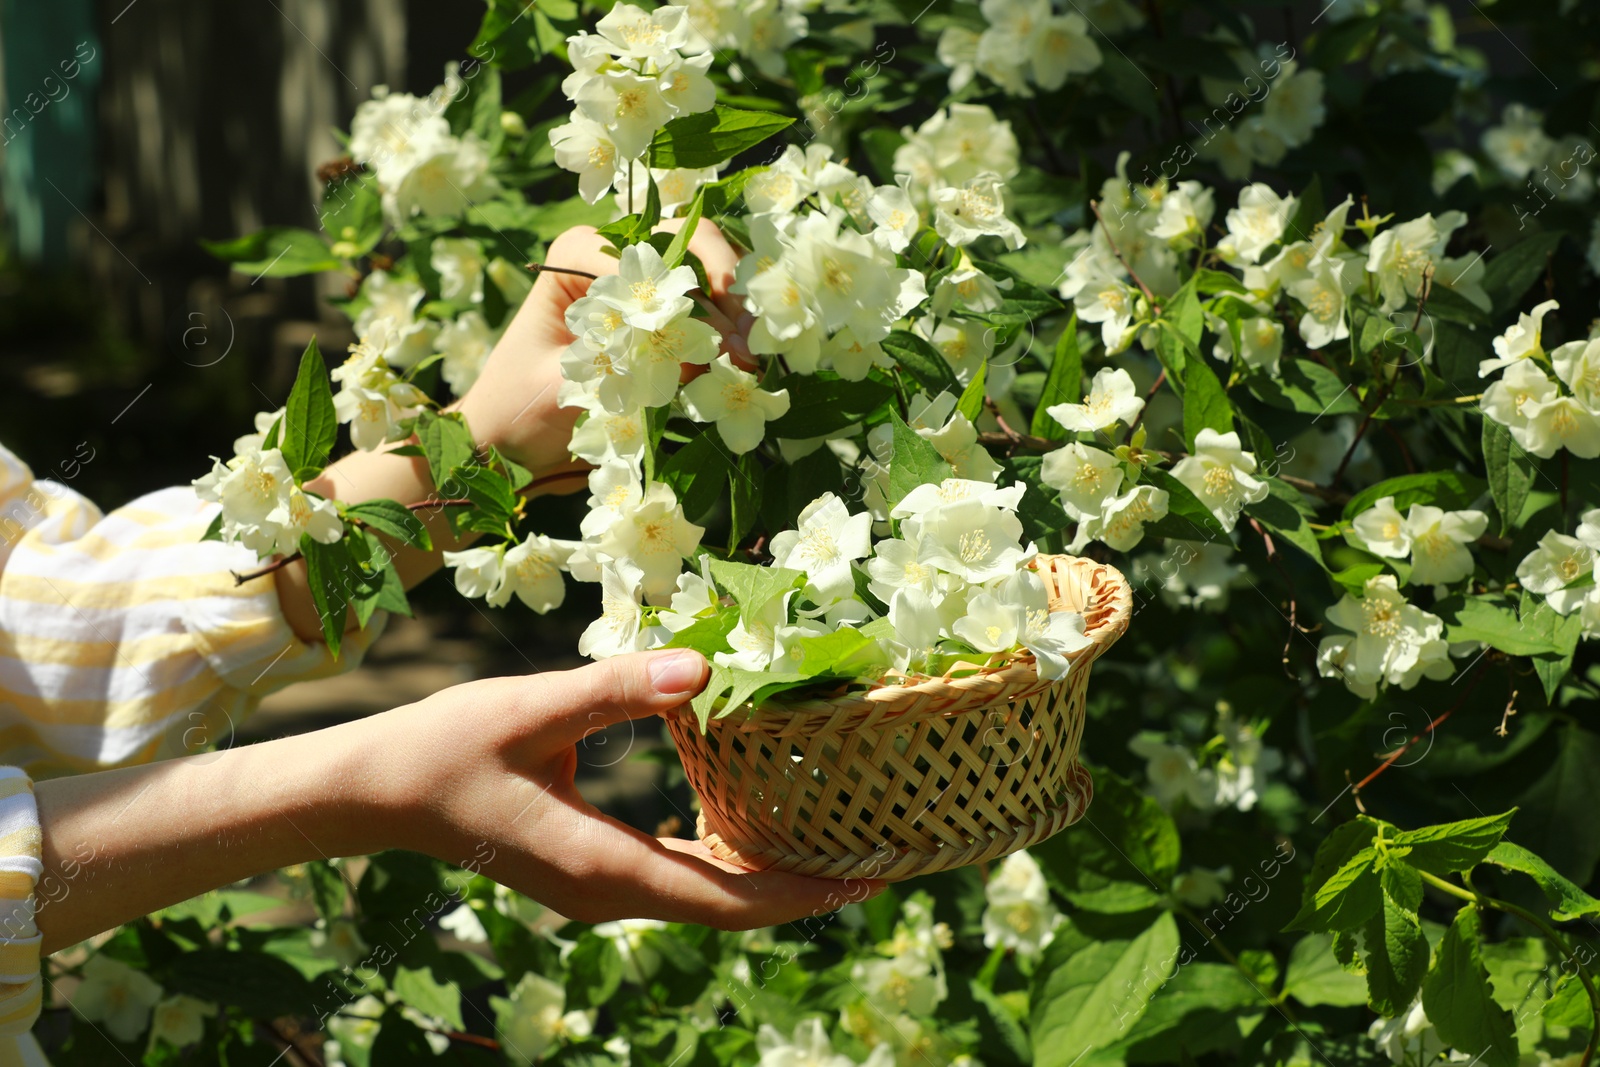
[1233, 781]
[1436, 541]
[263, 508]
[809, 1046]
[1292, 110]
[1552, 168]
[759, 30]
[127, 1002]
[824, 285]
[907, 976]
[637, 72]
[954, 166]
[1024, 43]
[1144, 229]
[1545, 413]
[1390, 641]
[1563, 570]
[1019, 915]
[420, 166]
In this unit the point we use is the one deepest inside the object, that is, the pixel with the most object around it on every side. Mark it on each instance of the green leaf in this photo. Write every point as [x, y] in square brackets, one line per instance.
[594, 971]
[1178, 338]
[819, 406]
[922, 361]
[1346, 854]
[419, 989]
[914, 462]
[733, 687]
[504, 39]
[276, 252]
[1510, 473]
[1457, 997]
[680, 240]
[713, 137]
[394, 519]
[1568, 900]
[447, 443]
[1315, 976]
[328, 889]
[1558, 809]
[709, 635]
[310, 423]
[1063, 385]
[744, 498]
[352, 215]
[1284, 512]
[1396, 950]
[753, 587]
[1205, 403]
[1042, 517]
[846, 653]
[1120, 858]
[487, 489]
[1453, 846]
[327, 571]
[1089, 993]
[1309, 211]
[1507, 276]
[697, 473]
[1305, 386]
[1445, 489]
[1490, 619]
[213, 531]
[971, 402]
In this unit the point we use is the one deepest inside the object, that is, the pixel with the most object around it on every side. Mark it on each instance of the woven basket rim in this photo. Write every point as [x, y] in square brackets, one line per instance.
[1106, 618]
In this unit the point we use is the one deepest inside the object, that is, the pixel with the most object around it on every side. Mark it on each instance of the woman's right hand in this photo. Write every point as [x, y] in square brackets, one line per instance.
[486, 769]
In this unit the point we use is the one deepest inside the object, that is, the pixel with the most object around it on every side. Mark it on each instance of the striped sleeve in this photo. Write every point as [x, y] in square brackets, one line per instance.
[125, 638]
[19, 938]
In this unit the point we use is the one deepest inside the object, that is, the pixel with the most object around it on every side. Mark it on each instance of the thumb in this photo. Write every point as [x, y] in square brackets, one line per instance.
[589, 699]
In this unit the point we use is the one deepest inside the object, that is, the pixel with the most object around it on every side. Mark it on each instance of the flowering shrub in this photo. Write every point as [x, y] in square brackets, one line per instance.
[1141, 282]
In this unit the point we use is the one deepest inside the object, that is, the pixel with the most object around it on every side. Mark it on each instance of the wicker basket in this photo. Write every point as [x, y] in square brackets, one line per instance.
[907, 780]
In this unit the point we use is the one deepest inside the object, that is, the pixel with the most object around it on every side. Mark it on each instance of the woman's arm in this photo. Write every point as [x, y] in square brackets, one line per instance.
[481, 772]
[512, 406]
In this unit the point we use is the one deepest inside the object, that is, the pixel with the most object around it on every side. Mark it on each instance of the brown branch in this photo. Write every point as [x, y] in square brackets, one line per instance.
[1356, 789]
[1149, 395]
[1094, 206]
[1423, 291]
[548, 269]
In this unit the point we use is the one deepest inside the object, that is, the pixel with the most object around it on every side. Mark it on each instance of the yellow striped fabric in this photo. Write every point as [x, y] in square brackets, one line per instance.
[123, 639]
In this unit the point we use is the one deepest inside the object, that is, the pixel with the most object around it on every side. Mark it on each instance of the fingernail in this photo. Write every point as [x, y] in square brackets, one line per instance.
[678, 673]
[737, 348]
[745, 323]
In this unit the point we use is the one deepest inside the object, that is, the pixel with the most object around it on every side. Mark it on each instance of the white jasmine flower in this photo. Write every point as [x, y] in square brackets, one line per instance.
[1256, 224]
[605, 439]
[647, 293]
[340, 941]
[1294, 108]
[657, 36]
[965, 344]
[1221, 474]
[252, 442]
[640, 959]
[895, 218]
[826, 540]
[972, 540]
[1392, 642]
[586, 148]
[957, 442]
[630, 106]
[1408, 1038]
[1061, 46]
[464, 925]
[1513, 400]
[650, 540]
[902, 985]
[955, 145]
[465, 344]
[373, 399]
[388, 323]
[656, 358]
[1520, 341]
[851, 358]
[1577, 363]
[731, 398]
[1112, 399]
[976, 208]
[676, 187]
[1439, 541]
[969, 286]
[1551, 570]
[532, 571]
[616, 631]
[1382, 530]
[1017, 611]
[116, 996]
[1560, 422]
[386, 128]
[1171, 772]
[449, 176]
[1324, 295]
[1121, 523]
[477, 571]
[180, 1021]
[1519, 145]
[262, 507]
[1193, 574]
[535, 1017]
[1019, 914]
[1085, 477]
[1185, 213]
[929, 496]
[1201, 887]
[460, 263]
[1400, 254]
[809, 1046]
[754, 638]
[1260, 341]
[1113, 304]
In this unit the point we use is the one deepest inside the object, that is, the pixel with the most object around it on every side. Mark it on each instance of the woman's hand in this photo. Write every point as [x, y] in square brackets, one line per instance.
[491, 764]
[482, 772]
[513, 403]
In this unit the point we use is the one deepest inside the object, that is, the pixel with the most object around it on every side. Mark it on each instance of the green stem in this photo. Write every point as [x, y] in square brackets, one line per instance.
[1278, 1001]
[1550, 933]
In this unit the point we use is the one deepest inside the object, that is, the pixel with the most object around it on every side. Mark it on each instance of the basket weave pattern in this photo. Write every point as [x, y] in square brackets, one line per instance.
[906, 780]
